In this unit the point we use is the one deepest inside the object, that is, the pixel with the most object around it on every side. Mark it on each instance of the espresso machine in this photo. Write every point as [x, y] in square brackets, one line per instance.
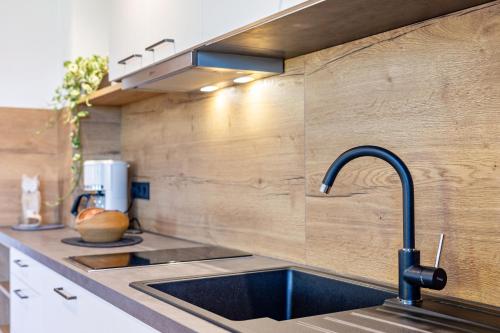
[105, 184]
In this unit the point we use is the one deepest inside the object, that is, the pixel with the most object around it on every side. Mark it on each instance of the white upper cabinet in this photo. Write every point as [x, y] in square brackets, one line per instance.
[129, 24]
[175, 25]
[167, 27]
[222, 16]
[290, 3]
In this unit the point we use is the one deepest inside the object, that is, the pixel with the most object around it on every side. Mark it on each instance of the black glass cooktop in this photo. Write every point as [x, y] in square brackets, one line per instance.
[157, 257]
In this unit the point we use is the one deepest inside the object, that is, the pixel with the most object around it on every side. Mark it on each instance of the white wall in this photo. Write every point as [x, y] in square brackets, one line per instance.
[37, 36]
[31, 51]
[89, 27]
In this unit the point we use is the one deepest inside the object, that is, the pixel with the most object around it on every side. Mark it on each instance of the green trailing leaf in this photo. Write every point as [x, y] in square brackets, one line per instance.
[83, 114]
[82, 77]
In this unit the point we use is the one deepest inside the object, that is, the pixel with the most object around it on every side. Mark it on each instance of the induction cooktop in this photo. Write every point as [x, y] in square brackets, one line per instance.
[156, 257]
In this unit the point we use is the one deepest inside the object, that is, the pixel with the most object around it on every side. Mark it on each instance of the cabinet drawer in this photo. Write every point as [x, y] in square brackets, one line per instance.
[25, 308]
[25, 268]
[67, 307]
[92, 313]
[63, 312]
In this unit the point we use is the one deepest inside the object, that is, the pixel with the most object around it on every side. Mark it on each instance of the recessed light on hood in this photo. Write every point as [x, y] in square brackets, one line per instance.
[208, 89]
[243, 79]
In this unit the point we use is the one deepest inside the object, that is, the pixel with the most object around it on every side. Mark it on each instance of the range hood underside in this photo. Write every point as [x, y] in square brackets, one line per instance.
[259, 49]
[193, 70]
[317, 25]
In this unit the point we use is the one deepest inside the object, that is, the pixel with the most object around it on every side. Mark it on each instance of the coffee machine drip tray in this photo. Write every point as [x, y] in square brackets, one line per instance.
[156, 257]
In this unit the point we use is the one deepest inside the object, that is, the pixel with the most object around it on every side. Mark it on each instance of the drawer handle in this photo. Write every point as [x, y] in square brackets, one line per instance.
[60, 291]
[124, 60]
[19, 263]
[151, 48]
[20, 294]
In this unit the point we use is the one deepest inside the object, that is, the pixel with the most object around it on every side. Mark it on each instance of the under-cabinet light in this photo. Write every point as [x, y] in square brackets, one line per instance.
[208, 89]
[243, 79]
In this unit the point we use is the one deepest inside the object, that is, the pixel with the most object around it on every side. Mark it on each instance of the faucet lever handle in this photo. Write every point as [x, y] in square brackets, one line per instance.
[439, 250]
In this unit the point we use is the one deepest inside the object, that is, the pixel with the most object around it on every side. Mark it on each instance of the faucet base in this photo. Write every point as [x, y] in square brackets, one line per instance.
[409, 302]
[408, 293]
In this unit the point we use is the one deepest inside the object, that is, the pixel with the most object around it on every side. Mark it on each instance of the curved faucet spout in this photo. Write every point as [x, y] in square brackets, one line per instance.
[404, 175]
[412, 275]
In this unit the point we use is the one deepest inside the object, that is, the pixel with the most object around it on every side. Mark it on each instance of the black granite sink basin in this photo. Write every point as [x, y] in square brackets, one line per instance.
[280, 294]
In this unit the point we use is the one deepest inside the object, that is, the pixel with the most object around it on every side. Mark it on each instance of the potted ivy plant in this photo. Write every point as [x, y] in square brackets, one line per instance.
[83, 76]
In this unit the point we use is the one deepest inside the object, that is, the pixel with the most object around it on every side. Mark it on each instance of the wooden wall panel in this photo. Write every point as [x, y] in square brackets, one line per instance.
[430, 93]
[226, 168]
[238, 168]
[22, 151]
[100, 135]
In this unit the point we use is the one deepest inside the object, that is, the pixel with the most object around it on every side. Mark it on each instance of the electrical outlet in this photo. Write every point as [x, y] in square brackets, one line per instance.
[140, 190]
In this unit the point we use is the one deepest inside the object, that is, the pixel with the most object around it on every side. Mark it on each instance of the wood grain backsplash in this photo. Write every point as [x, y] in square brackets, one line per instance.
[242, 167]
[48, 154]
[100, 136]
[226, 168]
[22, 151]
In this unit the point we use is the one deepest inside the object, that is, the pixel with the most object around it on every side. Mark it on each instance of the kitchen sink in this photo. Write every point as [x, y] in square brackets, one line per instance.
[279, 294]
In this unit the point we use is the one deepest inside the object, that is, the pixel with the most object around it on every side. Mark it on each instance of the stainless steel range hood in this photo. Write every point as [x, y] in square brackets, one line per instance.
[193, 70]
[260, 48]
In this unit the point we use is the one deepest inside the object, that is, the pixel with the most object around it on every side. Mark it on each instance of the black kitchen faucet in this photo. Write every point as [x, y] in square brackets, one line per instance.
[412, 276]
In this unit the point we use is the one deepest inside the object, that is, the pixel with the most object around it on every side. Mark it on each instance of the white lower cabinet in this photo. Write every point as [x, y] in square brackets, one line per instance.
[62, 312]
[47, 302]
[25, 308]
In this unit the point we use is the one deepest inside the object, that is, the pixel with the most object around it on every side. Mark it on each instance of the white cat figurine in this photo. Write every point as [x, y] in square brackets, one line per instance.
[31, 201]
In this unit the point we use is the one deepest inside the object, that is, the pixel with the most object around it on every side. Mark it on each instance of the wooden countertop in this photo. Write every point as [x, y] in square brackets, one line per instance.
[436, 314]
[113, 285]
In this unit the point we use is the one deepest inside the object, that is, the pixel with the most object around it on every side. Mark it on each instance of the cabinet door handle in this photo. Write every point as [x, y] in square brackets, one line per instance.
[152, 47]
[124, 60]
[60, 291]
[20, 294]
[19, 263]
